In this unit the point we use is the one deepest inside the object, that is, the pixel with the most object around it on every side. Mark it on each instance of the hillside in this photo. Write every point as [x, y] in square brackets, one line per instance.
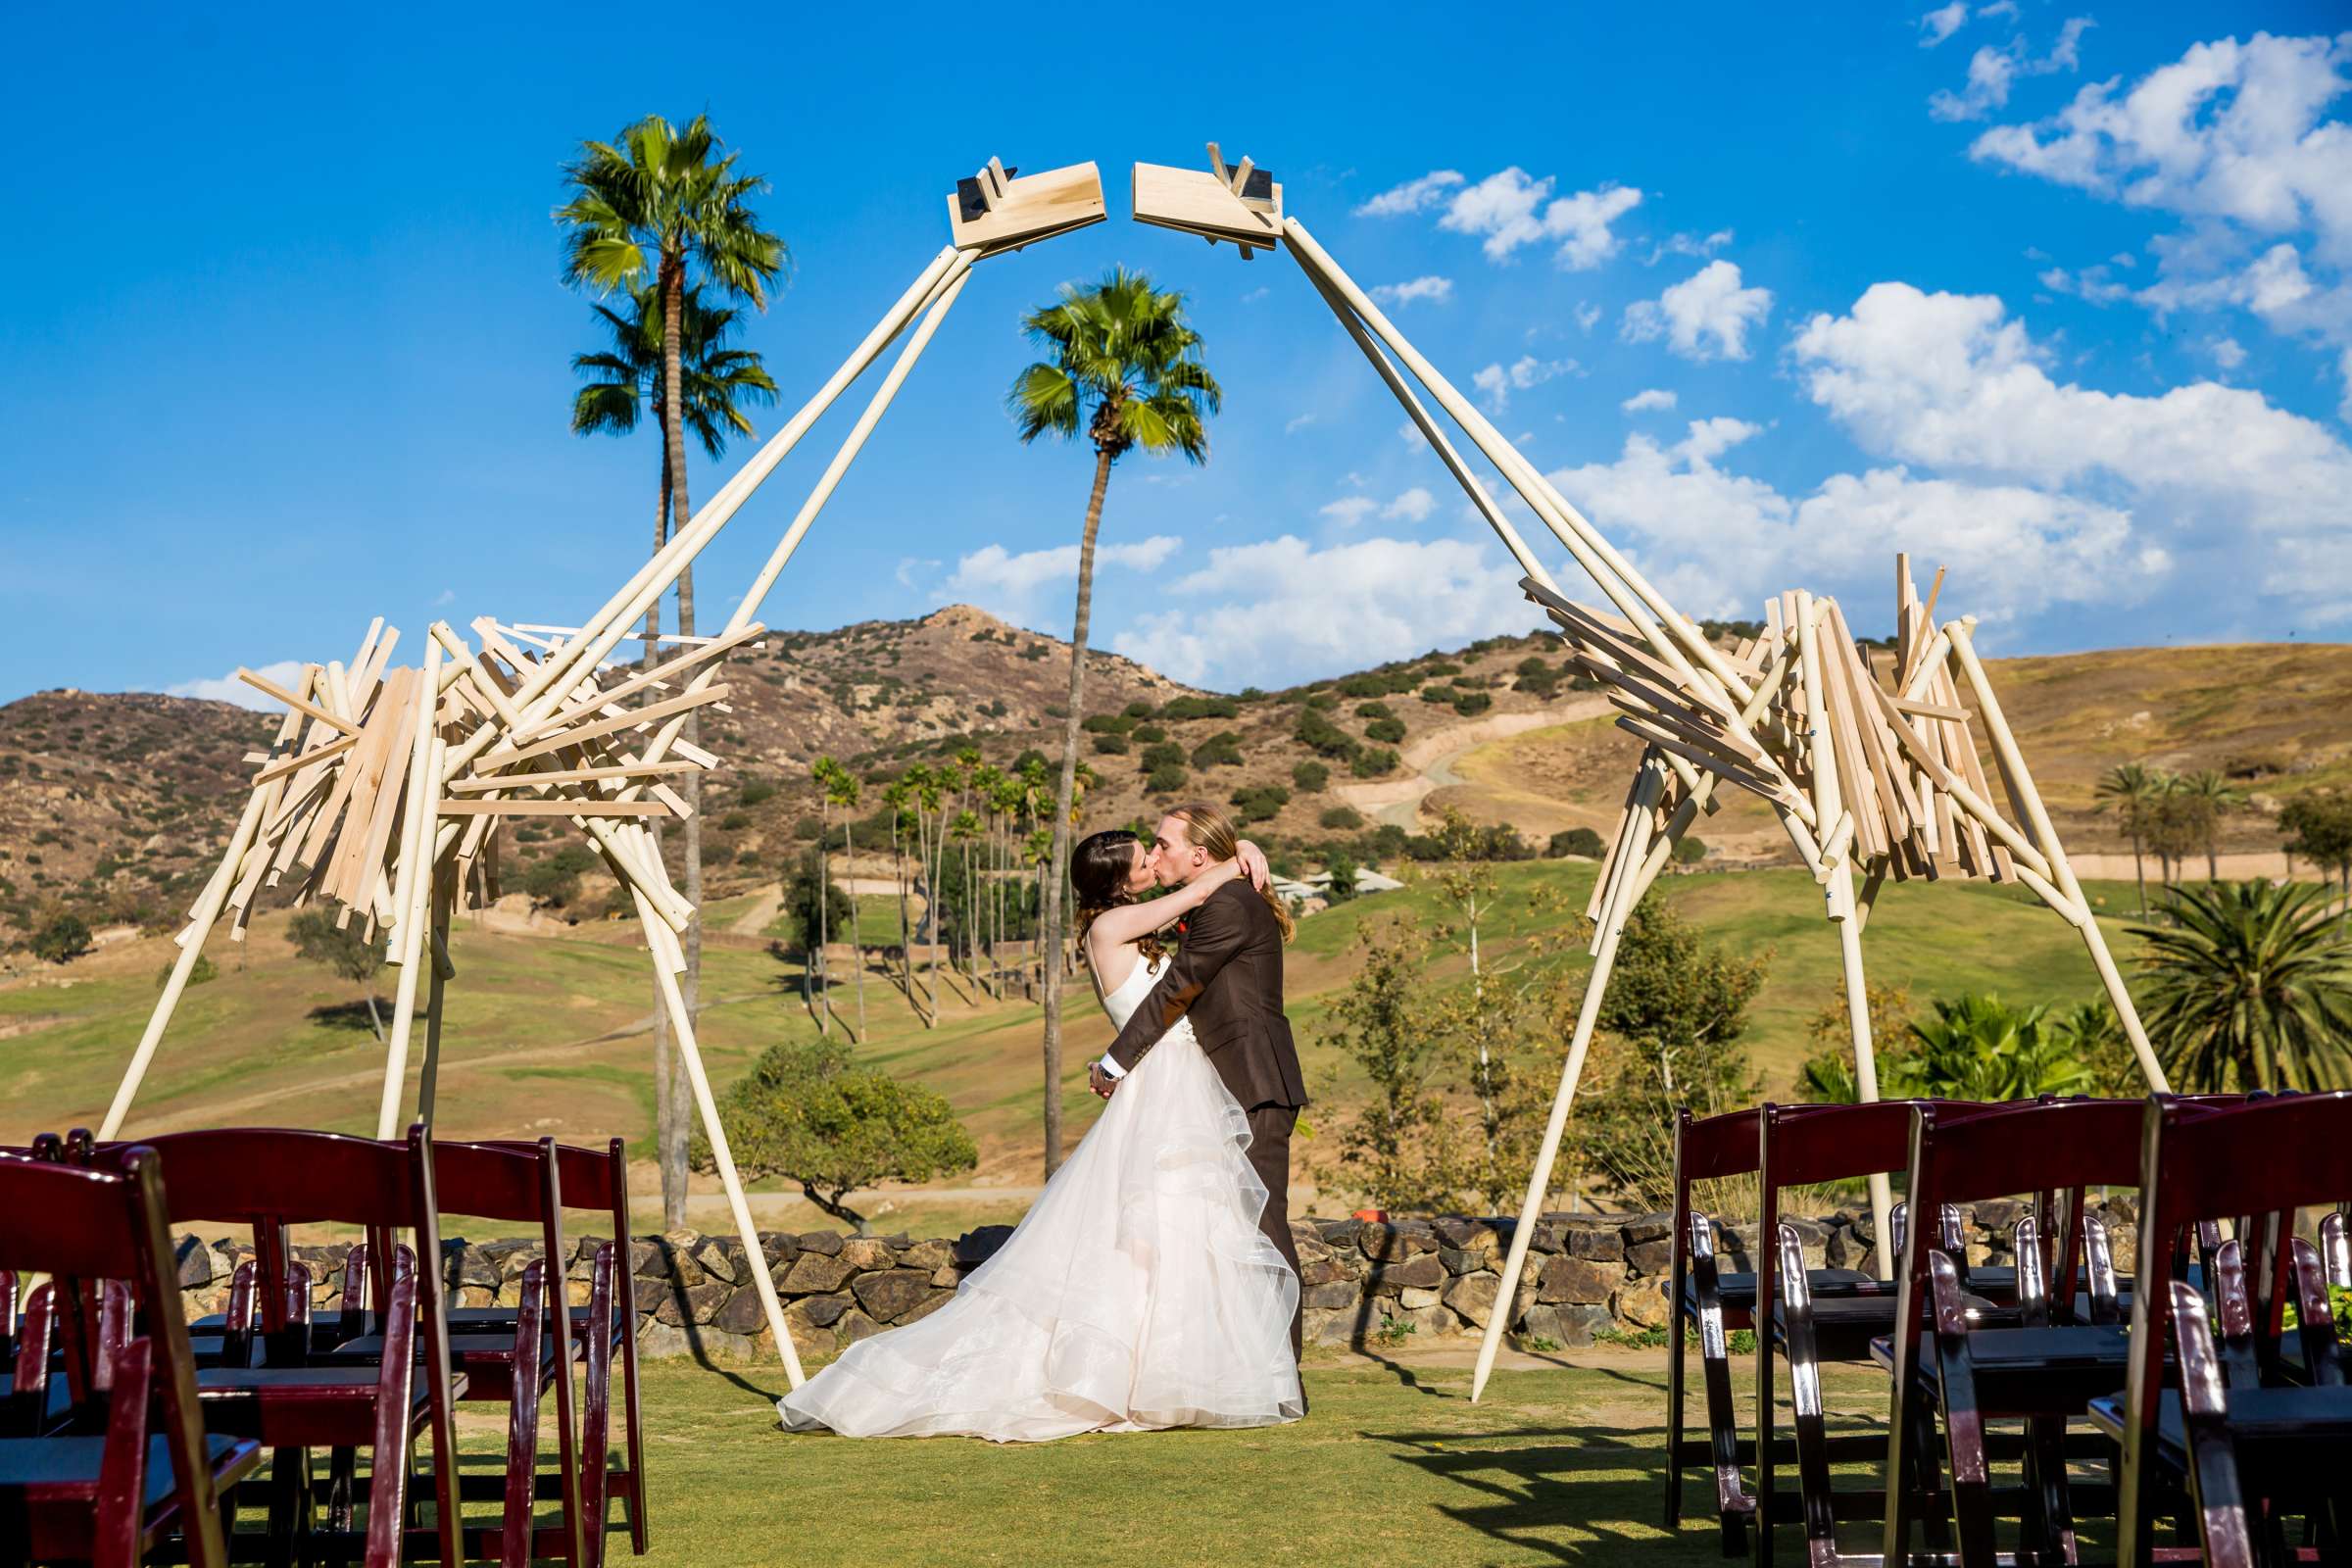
[113, 806]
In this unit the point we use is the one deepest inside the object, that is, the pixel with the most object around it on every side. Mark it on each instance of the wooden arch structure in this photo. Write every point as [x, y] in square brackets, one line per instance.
[383, 785]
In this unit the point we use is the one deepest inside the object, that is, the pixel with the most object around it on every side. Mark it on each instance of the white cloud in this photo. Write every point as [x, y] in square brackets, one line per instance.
[1411, 505]
[447, 596]
[911, 566]
[228, 689]
[1284, 609]
[1297, 422]
[1714, 541]
[1689, 245]
[1256, 294]
[1587, 316]
[1942, 23]
[1949, 380]
[1414, 196]
[1709, 303]
[1410, 434]
[1512, 208]
[2226, 353]
[1007, 584]
[1348, 510]
[1991, 72]
[1654, 398]
[1495, 382]
[1436, 290]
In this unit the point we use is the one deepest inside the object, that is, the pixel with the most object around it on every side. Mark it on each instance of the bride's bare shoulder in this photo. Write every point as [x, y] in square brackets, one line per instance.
[1113, 963]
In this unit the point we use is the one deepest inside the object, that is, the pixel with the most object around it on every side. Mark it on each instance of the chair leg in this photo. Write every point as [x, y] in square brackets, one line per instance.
[2051, 1521]
[1733, 1505]
[1963, 1424]
[1806, 1411]
[1673, 1408]
[522, 1422]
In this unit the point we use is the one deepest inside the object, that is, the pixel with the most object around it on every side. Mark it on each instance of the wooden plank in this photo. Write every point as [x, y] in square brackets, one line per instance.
[366, 858]
[1031, 208]
[300, 705]
[554, 808]
[1731, 771]
[1194, 200]
[1960, 715]
[631, 719]
[573, 775]
[302, 759]
[659, 674]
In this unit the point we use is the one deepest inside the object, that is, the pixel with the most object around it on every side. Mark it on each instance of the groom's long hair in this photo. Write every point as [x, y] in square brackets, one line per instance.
[1212, 830]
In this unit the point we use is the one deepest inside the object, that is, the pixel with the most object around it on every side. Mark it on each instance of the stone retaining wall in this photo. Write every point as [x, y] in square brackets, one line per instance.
[1359, 1282]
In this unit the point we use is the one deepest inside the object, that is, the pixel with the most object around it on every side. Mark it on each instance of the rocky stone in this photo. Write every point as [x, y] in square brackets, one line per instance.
[649, 1292]
[809, 1337]
[978, 1244]
[864, 1253]
[1644, 1305]
[1650, 1257]
[1412, 1298]
[1327, 1328]
[778, 1247]
[1640, 1228]
[822, 1310]
[815, 1273]
[825, 1242]
[947, 1277]
[1598, 1243]
[722, 1259]
[743, 1314]
[890, 1293]
[662, 1340]
[1567, 1326]
[852, 1327]
[647, 1258]
[1461, 1260]
[1343, 1293]
[195, 1262]
[694, 1304]
[925, 1307]
[928, 1256]
[1396, 1239]
[1423, 1270]
[475, 1267]
[1473, 1295]
[1322, 1271]
[1577, 1281]
[2000, 1216]
[1338, 1232]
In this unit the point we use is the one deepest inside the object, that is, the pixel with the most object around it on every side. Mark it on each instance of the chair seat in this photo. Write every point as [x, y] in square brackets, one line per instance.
[48, 1487]
[486, 1361]
[1737, 1293]
[502, 1319]
[303, 1406]
[2285, 1435]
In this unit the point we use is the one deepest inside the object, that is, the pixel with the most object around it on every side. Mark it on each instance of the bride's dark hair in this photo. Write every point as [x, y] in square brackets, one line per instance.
[1100, 868]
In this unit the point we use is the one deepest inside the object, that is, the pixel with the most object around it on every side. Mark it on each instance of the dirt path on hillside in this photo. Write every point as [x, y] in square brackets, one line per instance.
[1430, 759]
[756, 920]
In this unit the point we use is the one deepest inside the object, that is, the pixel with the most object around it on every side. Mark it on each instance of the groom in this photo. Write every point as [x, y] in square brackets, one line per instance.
[1227, 977]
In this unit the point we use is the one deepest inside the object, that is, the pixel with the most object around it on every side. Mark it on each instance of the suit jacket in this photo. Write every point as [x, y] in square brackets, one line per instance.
[1227, 978]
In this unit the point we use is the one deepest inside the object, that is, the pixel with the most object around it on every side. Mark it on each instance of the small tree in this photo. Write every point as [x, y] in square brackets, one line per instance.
[1343, 878]
[805, 1115]
[62, 939]
[317, 939]
[1401, 1149]
[2319, 824]
[1577, 840]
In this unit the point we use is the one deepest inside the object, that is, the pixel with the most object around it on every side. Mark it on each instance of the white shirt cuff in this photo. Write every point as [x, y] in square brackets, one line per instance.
[1112, 1069]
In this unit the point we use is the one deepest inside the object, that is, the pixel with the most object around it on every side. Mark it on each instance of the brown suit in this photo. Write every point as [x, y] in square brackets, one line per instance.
[1227, 978]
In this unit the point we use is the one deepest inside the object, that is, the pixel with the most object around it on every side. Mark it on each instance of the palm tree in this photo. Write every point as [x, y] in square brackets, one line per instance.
[623, 380]
[841, 790]
[2250, 988]
[2218, 798]
[1978, 1048]
[896, 798]
[2129, 787]
[1125, 371]
[656, 201]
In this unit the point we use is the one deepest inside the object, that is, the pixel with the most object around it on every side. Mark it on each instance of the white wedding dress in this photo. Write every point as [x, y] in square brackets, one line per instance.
[1136, 1293]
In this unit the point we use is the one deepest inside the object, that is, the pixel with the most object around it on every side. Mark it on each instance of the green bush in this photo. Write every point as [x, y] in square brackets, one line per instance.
[1222, 750]
[1469, 703]
[1259, 803]
[63, 939]
[734, 821]
[754, 791]
[1438, 668]
[1110, 745]
[1310, 777]
[1320, 735]
[1149, 733]
[1385, 729]
[1439, 694]
[1532, 667]
[1166, 779]
[1106, 723]
[1200, 708]
[1690, 851]
[1137, 710]
[807, 829]
[1374, 763]
[1374, 711]
[1323, 701]
[1577, 840]
[1161, 754]
[1342, 818]
[201, 972]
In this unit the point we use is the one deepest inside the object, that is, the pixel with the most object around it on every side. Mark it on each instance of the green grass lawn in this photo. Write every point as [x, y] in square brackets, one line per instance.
[1392, 1465]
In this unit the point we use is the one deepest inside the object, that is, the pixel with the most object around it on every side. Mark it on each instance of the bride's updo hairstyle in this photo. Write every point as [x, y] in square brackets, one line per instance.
[1212, 830]
[1100, 866]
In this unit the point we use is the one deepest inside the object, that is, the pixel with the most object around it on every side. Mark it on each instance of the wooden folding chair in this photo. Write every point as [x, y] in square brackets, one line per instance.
[270, 1179]
[597, 1180]
[1716, 1303]
[2265, 1159]
[112, 1479]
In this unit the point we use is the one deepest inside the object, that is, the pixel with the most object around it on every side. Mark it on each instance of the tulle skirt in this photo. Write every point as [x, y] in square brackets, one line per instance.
[1137, 1292]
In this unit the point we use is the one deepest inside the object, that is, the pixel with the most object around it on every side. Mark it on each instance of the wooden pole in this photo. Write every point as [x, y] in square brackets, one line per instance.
[412, 949]
[2038, 817]
[681, 1023]
[428, 1081]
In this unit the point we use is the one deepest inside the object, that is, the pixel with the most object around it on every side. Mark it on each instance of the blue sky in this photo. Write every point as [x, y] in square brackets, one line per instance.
[2053, 294]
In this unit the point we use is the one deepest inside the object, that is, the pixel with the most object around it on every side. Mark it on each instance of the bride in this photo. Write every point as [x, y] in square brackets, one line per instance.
[1138, 1292]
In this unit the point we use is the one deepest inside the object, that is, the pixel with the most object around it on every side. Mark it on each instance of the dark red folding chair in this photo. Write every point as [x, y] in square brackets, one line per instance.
[270, 1386]
[2280, 1444]
[2040, 1366]
[117, 1477]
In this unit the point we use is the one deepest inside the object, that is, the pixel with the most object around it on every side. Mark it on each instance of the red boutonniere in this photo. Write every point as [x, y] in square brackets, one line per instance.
[1183, 923]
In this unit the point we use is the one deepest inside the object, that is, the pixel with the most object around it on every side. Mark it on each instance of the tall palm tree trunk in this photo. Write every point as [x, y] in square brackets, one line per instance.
[1064, 783]
[824, 936]
[2139, 868]
[668, 1112]
[673, 451]
[849, 847]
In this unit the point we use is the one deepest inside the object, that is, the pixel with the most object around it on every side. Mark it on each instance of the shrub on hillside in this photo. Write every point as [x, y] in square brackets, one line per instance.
[1106, 723]
[1373, 763]
[1577, 840]
[61, 937]
[1469, 703]
[1385, 729]
[1259, 803]
[1374, 711]
[1200, 708]
[1690, 851]
[1222, 750]
[1438, 694]
[1318, 734]
[1166, 779]
[201, 972]
[1310, 777]
[754, 791]
[1161, 754]
[1342, 818]
[1110, 745]
[1146, 733]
